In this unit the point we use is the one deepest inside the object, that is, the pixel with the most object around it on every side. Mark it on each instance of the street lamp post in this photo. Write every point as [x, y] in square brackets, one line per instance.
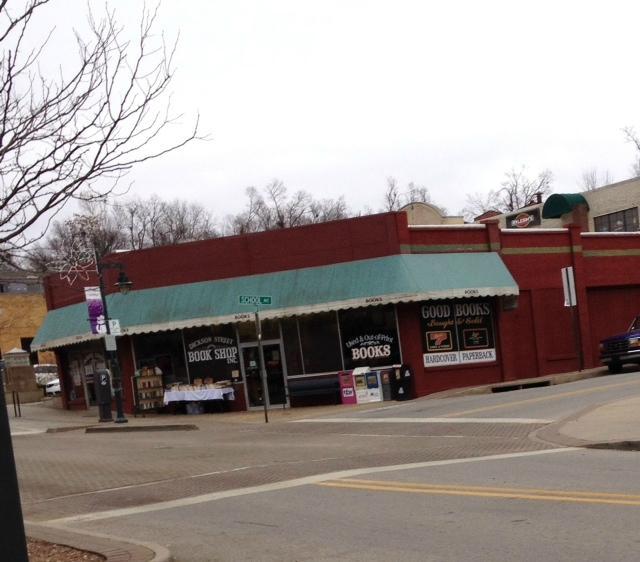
[112, 354]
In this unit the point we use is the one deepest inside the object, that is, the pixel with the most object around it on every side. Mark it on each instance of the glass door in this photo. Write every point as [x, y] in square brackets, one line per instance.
[274, 367]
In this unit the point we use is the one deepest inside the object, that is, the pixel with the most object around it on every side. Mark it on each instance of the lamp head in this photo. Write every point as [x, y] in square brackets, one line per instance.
[123, 283]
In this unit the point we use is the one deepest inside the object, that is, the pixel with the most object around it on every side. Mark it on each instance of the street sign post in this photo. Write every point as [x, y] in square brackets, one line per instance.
[569, 286]
[571, 301]
[254, 300]
[257, 301]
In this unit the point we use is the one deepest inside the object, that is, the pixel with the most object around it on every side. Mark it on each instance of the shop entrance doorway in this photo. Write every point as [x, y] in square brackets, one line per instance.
[275, 369]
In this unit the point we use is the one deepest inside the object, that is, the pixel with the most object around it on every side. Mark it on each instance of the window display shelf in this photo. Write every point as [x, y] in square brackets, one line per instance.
[148, 392]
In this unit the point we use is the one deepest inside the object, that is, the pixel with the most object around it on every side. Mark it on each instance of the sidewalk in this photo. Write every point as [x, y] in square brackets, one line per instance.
[608, 424]
[46, 417]
[112, 548]
[615, 425]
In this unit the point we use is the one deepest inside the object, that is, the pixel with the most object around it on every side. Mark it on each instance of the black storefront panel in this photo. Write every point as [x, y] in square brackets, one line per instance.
[369, 337]
[212, 352]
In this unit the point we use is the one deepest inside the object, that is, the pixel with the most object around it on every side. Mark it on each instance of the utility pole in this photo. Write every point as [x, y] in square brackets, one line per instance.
[263, 373]
[13, 543]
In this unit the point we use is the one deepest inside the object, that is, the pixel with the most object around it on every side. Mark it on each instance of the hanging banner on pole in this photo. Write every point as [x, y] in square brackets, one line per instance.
[569, 286]
[96, 310]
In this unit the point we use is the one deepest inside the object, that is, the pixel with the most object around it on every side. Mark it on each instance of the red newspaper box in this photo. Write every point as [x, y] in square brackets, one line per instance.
[347, 389]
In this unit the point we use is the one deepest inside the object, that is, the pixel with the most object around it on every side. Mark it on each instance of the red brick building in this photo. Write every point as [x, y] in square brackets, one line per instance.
[363, 291]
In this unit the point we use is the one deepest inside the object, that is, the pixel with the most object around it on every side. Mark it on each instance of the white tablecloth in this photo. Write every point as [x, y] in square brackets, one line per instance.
[195, 395]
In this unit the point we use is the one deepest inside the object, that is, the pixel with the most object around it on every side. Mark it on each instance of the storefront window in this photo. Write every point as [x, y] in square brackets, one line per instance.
[621, 221]
[369, 337]
[80, 366]
[291, 346]
[164, 353]
[457, 332]
[320, 343]
[270, 331]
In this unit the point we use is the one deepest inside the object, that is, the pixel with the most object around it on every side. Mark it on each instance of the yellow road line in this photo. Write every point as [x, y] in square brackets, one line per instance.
[486, 488]
[540, 399]
[477, 491]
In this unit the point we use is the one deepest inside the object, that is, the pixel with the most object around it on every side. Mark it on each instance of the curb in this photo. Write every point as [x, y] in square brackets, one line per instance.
[617, 445]
[114, 549]
[551, 434]
[63, 429]
[141, 428]
[548, 380]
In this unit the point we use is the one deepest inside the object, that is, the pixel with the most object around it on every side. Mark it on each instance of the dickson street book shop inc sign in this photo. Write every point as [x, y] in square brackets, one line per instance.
[457, 332]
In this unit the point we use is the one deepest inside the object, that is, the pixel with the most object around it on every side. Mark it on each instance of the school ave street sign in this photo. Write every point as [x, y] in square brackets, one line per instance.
[254, 300]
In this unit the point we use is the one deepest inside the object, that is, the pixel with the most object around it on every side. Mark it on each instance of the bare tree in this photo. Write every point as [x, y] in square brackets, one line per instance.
[593, 178]
[477, 204]
[76, 133]
[392, 196]
[245, 221]
[275, 208]
[394, 199]
[417, 193]
[632, 137]
[324, 210]
[140, 220]
[182, 222]
[81, 240]
[516, 191]
[129, 225]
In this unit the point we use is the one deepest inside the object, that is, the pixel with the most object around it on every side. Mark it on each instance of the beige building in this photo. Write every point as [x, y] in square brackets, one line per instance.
[610, 208]
[428, 214]
[22, 310]
[614, 207]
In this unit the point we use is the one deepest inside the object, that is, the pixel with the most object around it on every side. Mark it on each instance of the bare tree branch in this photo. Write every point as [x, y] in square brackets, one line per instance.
[592, 179]
[516, 191]
[394, 199]
[130, 224]
[276, 209]
[75, 136]
[632, 137]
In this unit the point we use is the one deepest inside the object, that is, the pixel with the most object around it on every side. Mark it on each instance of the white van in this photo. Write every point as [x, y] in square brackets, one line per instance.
[52, 388]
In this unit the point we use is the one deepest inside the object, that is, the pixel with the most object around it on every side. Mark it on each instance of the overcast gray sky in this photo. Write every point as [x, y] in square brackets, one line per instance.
[334, 96]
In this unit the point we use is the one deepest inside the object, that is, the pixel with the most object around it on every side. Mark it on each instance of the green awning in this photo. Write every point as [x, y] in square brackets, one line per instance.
[391, 279]
[560, 204]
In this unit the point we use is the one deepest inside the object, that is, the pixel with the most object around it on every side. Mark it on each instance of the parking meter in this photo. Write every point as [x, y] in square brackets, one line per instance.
[102, 381]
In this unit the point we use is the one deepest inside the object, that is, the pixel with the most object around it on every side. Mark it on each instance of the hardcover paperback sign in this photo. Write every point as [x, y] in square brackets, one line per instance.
[457, 332]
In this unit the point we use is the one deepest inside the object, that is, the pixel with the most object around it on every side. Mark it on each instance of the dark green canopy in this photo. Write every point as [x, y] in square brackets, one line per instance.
[559, 204]
[339, 286]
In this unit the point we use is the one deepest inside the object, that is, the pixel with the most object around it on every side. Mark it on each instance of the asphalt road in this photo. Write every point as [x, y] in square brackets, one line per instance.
[451, 479]
[555, 506]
